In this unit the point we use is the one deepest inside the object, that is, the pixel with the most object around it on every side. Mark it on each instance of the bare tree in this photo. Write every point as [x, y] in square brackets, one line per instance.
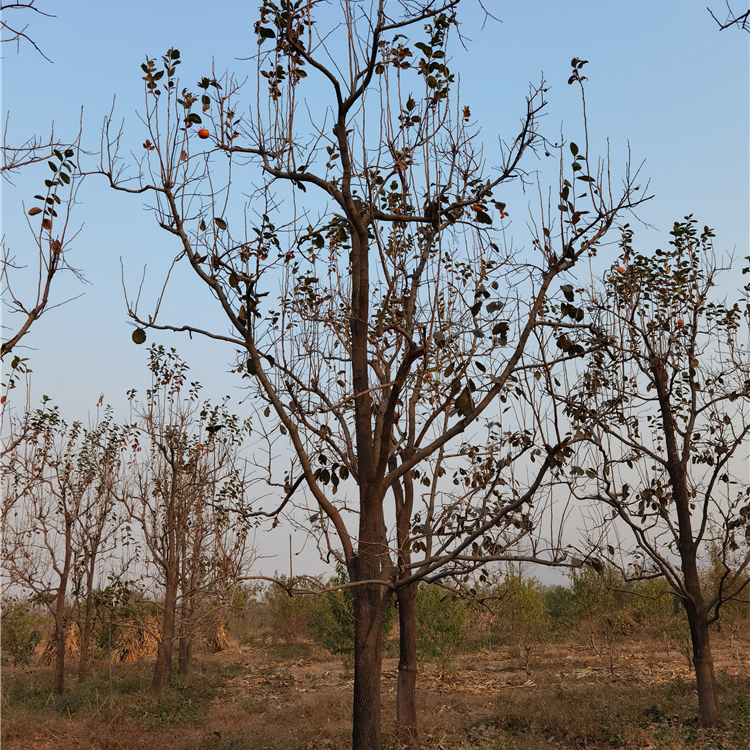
[664, 400]
[56, 511]
[95, 532]
[179, 498]
[401, 315]
[214, 553]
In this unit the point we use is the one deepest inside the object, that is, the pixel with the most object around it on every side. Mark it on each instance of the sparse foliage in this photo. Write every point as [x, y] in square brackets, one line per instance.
[49, 218]
[378, 335]
[57, 514]
[186, 490]
[664, 401]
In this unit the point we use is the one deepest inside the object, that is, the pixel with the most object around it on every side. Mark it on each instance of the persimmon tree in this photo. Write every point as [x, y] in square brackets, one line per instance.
[57, 516]
[184, 487]
[51, 208]
[26, 277]
[95, 531]
[374, 306]
[49, 226]
[663, 398]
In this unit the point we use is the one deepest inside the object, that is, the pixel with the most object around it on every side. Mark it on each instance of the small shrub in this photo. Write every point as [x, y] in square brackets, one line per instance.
[239, 601]
[22, 631]
[291, 616]
[523, 615]
[603, 608]
[560, 603]
[441, 624]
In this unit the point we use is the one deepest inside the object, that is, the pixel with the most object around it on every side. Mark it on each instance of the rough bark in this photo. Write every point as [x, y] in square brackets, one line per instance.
[365, 566]
[703, 661]
[368, 657]
[185, 653]
[406, 704]
[709, 710]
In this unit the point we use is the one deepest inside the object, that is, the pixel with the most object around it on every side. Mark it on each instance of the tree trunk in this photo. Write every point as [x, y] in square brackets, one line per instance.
[59, 680]
[185, 652]
[187, 630]
[406, 695]
[368, 656]
[163, 668]
[703, 661]
[85, 628]
[83, 660]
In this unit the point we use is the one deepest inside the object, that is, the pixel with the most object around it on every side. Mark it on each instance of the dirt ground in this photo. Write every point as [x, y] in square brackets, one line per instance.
[262, 697]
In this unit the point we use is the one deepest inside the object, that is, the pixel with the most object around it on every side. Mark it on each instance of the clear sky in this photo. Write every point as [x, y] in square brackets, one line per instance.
[663, 81]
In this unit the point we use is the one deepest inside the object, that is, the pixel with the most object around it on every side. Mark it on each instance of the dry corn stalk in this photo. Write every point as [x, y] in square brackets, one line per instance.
[137, 641]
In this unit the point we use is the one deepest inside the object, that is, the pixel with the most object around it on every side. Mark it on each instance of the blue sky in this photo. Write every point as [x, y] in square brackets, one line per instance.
[663, 82]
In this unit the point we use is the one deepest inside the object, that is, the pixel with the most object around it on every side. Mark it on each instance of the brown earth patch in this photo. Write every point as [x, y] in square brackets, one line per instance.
[635, 696]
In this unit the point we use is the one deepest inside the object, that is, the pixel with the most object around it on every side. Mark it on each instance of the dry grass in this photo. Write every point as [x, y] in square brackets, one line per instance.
[262, 696]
